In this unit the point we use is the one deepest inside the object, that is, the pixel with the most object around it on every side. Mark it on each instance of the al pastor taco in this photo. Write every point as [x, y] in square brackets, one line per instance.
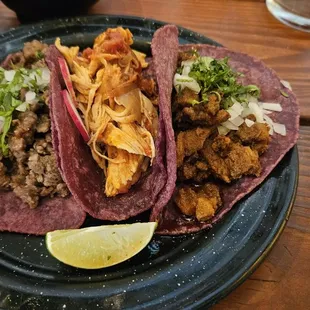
[234, 120]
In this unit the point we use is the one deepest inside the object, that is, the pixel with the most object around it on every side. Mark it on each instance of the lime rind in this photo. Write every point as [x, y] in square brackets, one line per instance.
[99, 246]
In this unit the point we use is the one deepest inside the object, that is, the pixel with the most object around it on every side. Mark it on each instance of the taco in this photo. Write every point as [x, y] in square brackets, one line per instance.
[112, 124]
[234, 121]
[33, 197]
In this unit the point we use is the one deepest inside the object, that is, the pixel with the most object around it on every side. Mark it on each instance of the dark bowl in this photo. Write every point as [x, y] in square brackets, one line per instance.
[35, 10]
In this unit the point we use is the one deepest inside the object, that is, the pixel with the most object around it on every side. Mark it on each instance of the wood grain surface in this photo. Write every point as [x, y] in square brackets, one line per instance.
[282, 281]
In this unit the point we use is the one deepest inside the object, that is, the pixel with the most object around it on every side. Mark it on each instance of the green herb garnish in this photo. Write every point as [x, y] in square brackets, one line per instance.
[10, 96]
[215, 75]
[39, 55]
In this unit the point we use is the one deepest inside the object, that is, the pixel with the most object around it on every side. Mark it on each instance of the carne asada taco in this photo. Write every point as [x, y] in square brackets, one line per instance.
[234, 120]
[33, 197]
[111, 126]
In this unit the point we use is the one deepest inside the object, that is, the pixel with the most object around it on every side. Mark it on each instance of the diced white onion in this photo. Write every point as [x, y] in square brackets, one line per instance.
[223, 130]
[267, 112]
[46, 75]
[246, 112]
[187, 62]
[237, 107]
[279, 128]
[22, 107]
[269, 121]
[286, 84]
[187, 66]
[2, 119]
[253, 99]
[33, 76]
[257, 111]
[9, 75]
[272, 106]
[181, 82]
[30, 96]
[238, 121]
[230, 125]
[249, 122]
[233, 114]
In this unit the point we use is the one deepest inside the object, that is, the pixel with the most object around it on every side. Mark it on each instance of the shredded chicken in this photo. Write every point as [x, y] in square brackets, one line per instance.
[111, 93]
[121, 176]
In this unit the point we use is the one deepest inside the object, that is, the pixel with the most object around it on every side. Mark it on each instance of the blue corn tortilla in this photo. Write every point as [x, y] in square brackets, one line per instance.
[84, 177]
[171, 220]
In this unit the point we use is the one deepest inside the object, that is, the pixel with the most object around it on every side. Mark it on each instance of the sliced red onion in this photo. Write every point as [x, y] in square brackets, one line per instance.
[75, 115]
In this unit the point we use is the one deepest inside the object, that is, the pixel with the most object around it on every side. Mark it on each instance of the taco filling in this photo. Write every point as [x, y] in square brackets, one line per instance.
[27, 161]
[116, 104]
[221, 128]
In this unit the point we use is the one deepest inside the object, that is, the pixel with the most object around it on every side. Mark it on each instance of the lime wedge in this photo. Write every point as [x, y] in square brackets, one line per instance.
[100, 246]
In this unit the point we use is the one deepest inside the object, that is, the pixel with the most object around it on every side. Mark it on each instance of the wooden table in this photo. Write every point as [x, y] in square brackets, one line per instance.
[282, 281]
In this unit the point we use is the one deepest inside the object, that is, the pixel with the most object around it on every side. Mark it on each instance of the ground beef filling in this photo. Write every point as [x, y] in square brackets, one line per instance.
[31, 170]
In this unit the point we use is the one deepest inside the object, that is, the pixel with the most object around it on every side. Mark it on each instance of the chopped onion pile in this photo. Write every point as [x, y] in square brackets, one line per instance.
[238, 113]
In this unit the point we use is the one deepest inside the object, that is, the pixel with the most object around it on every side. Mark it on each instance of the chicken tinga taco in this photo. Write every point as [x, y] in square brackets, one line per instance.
[234, 120]
[33, 197]
[110, 124]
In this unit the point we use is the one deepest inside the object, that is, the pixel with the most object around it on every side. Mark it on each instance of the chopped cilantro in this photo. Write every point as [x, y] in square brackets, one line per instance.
[216, 76]
[11, 83]
[39, 55]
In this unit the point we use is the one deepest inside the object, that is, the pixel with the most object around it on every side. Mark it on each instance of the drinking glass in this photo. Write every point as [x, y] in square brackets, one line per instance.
[295, 13]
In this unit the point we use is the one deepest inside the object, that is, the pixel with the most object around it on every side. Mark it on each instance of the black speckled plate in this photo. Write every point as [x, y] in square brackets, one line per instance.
[193, 271]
